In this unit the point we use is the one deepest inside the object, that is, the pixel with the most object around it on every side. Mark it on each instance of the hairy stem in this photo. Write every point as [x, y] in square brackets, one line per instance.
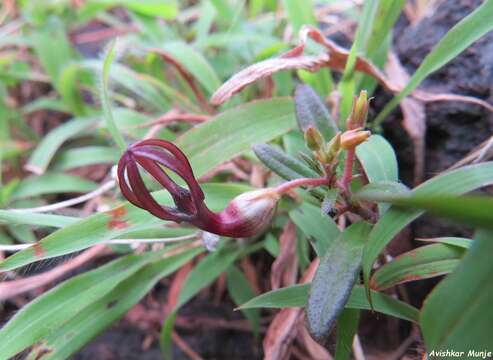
[287, 186]
[348, 170]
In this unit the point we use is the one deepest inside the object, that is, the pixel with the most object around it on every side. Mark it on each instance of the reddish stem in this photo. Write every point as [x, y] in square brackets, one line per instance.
[348, 170]
[283, 188]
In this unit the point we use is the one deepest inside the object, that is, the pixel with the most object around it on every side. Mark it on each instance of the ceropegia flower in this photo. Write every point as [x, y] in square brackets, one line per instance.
[246, 215]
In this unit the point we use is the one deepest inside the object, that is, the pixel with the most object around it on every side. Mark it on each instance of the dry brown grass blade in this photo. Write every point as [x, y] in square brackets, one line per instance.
[176, 285]
[265, 69]
[426, 96]
[314, 349]
[283, 328]
[182, 344]
[335, 58]
[284, 268]
[251, 274]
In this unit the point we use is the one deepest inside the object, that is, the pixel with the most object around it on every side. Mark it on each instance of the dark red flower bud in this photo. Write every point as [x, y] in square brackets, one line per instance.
[246, 215]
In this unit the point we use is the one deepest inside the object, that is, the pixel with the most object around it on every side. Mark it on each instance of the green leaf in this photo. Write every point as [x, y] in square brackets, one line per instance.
[44, 152]
[240, 290]
[43, 39]
[83, 156]
[150, 91]
[110, 225]
[36, 219]
[457, 39]
[334, 279]
[195, 63]
[47, 312]
[69, 91]
[395, 219]
[166, 9]
[321, 229]
[471, 210]
[300, 13]
[203, 274]
[380, 38]
[99, 315]
[380, 190]
[347, 85]
[455, 241]
[297, 295]
[234, 131]
[421, 263]
[378, 159]
[311, 112]
[284, 165]
[321, 81]
[347, 326]
[465, 322]
[387, 14]
[52, 183]
[105, 97]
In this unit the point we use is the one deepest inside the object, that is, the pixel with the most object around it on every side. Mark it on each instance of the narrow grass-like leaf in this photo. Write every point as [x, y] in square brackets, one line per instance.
[334, 279]
[387, 14]
[299, 13]
[284, 165]
[297, 295]
[43, 39]
[52, 183]
[395, 219]
[83, 156]
[41, 157]
[471, 210]
[321, 229]
[99, 315]
[464, 324]
[110, 225]
[49, 311]
[166, 9]
[195, 63]
[240, 290]
[455, 241]
[457, 39]
[421, 263]
[380, 190]
[235, 131]
[347, 326]
[380, 38]
[105, 98]
[69, 90]
[347, 85]
[150, 91]
[35, 219]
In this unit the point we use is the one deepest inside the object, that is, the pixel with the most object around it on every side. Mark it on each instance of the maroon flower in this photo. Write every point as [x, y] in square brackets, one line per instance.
[246, 215]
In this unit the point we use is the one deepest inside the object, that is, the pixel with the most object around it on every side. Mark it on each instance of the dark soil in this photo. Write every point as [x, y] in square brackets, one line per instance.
[453, 128]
